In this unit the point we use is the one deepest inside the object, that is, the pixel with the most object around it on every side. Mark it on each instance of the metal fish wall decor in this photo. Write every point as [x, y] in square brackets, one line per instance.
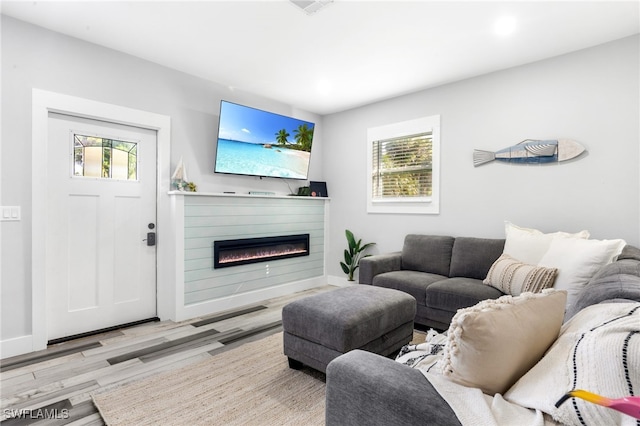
[532, 152]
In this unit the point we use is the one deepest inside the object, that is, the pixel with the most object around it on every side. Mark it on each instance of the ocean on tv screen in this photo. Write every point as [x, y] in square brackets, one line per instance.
[261, 160]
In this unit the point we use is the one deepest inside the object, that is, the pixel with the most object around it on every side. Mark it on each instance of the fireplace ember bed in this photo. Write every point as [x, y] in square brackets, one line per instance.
[244, 251]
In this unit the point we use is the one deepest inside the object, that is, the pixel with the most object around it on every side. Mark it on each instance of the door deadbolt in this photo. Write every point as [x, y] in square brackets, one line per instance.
[151, 239]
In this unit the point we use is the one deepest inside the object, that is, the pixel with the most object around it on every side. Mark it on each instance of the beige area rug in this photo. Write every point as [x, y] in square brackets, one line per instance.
[251, 384]
[248, 385]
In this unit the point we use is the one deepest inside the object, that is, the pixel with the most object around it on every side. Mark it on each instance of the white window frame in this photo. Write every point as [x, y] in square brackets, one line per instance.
[418, 205]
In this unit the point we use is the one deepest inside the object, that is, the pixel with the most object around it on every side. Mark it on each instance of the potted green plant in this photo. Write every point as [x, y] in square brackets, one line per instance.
[353, 254]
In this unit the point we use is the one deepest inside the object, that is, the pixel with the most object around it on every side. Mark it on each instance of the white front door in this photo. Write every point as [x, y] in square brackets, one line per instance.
[101, 189]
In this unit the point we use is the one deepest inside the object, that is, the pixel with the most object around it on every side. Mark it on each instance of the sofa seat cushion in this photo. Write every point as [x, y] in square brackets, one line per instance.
[456, 293]
[439, 319]
[413, 282]
[427, 253]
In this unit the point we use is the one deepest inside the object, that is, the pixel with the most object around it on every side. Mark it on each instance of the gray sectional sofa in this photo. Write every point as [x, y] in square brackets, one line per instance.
[369, 389]
[443, 273]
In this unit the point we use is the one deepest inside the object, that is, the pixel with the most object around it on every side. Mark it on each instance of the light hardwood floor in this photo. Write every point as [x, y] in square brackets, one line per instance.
[54, 386]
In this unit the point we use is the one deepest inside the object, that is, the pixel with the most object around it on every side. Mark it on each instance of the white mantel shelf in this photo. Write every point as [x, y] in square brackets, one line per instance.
[229, 194]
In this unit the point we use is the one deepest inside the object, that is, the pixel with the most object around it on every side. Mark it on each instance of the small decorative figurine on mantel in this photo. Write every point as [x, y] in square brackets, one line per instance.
[179, 179]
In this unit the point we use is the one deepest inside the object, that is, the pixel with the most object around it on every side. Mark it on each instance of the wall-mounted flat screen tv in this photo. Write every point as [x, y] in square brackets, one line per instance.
[259, 143]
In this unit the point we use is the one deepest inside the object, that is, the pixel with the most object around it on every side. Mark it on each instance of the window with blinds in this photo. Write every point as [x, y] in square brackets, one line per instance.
[403, 167]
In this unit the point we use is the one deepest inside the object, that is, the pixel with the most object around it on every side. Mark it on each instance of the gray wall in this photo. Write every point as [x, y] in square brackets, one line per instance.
[33, 57]
[591, 96]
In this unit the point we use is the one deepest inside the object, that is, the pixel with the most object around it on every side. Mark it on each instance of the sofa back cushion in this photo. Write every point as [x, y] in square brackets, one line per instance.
[630, 252]
[472, 257]
[616, 281]
[428, 253]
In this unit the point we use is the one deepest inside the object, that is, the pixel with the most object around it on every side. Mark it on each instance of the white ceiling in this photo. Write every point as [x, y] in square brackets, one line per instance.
[348, 54]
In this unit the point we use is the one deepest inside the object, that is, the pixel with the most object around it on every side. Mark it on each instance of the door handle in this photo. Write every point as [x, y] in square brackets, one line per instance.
[151, 239]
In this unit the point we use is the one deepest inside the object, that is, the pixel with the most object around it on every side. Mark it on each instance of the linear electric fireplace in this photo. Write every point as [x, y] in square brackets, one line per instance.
[252, 250]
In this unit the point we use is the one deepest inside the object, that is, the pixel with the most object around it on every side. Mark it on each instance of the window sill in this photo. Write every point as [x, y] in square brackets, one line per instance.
[403, 207]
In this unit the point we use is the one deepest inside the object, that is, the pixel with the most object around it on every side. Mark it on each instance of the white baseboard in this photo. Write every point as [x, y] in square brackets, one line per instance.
[236, 301]
[16, 346]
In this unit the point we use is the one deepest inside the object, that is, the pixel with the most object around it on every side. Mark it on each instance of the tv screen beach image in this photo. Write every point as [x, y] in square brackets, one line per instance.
[261, 143]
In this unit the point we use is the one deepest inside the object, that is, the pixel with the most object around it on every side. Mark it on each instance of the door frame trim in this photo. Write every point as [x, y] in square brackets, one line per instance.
[44, 102]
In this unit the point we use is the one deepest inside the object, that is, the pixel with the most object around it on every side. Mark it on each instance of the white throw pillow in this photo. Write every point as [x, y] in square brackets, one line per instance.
[492, 344]
[513, 277]
[598, 350]
[529, 245]
[578, 260]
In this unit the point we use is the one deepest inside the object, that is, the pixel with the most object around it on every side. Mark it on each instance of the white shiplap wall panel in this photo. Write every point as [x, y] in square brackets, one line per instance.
[242, 220]
[261, 230]
[200, 290]
[254, 271]
[208, 219]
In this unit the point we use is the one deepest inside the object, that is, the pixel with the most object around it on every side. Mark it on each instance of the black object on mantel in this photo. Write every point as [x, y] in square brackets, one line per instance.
[318, 189]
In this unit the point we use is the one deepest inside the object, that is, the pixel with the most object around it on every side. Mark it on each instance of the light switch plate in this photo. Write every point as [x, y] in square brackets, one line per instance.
[10, 213]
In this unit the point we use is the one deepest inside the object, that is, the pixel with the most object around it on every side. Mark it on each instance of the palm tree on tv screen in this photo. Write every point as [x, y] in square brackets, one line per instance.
[304, 136]
[281, 137]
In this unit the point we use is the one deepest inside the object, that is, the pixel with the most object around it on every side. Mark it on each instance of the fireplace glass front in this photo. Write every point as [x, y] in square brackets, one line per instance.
[252, 250]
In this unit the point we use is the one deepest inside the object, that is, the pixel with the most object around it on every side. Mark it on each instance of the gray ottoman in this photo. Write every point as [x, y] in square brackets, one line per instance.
[319, 328]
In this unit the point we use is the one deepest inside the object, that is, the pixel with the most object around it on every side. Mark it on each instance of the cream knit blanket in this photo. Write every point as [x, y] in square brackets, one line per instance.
[598, 350]
[471, 406]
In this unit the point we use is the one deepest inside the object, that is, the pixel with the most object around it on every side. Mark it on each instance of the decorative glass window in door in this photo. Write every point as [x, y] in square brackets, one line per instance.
[104, 158]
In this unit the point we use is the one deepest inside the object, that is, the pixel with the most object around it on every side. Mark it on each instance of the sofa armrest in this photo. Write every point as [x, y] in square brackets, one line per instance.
[380, 263]
[368, 389]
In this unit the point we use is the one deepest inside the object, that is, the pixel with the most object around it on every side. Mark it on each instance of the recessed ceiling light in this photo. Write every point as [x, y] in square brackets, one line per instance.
[323, 87]
[505, 25]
